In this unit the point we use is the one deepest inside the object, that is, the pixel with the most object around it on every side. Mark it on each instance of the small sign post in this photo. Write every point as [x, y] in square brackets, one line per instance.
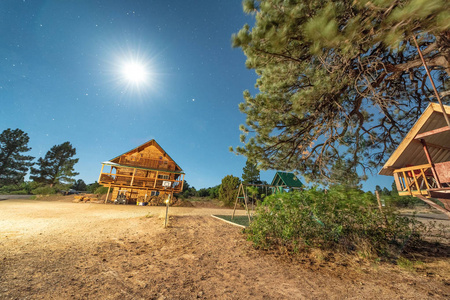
[167, 211]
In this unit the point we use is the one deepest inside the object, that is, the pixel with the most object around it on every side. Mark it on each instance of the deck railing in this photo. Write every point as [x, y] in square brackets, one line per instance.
[140, 182]
[147, 163]
[414, 180]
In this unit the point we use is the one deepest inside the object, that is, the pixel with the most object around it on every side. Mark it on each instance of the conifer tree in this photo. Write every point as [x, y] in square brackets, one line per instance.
[57, 167]
[338, 79]
[14, 165]
[250, 173]
[228, 189]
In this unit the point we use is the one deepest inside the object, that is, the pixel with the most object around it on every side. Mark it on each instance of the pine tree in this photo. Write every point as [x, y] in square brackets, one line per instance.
[250, 173]
[13, 165]
[57, 167]
[228, 189]
[338, 79]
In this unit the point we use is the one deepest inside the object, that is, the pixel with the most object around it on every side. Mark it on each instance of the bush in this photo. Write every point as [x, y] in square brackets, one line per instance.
[228, 189]
[45, 190]
[402, 201]
[341, 220]
[101, 190]
[23, 188]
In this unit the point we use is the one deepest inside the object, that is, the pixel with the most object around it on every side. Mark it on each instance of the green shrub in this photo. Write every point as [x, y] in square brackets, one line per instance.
[19, 192]
[402, 201]
[341, 219]
[228, 189]
[45, 190]
[101, 190]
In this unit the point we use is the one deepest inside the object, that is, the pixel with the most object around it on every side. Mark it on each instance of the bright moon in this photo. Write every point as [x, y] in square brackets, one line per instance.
[134, 72]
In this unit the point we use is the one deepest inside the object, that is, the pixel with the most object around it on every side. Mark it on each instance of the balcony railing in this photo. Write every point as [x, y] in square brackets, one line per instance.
[147, 163]
[414, 180]
[139, 182]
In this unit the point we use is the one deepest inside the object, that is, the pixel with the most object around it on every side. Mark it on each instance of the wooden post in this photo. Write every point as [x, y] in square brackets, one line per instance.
[156, 178]
[379, 201]
[132, 178]
[167, 211]
[237, 198]
[107, 194]
[101, 172]
[425, 149]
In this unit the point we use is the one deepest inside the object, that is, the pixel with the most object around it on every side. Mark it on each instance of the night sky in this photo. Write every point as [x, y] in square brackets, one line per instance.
[62, 79]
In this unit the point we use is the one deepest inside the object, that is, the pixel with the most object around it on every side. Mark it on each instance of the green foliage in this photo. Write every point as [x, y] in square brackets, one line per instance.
[342, 219]
[228, 189]
[57, 166]
[44, 190]
[214, 192]
[339, 81]
[188, 191]
[23, 188]
[92, 187]
[250, 173]
[79, 185]
[202, 192]
[14, 165]
[101, 190]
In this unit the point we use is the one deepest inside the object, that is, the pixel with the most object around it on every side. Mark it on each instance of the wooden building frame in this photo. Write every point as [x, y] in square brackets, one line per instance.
[421, 163]
[144, 173]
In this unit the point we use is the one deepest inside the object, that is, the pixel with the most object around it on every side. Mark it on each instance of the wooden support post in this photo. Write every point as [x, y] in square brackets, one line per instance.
[156, 178]
[132, 178]
[379, 201]
[397, 182]
[101, 172]
[425, 149]
[107, 194]
[237, 199]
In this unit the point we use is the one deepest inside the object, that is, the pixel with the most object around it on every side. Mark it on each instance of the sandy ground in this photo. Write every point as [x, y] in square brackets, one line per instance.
[64, 250]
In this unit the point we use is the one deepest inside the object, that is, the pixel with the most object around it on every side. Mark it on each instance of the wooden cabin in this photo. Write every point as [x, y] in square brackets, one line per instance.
[421, 163]
[144, 174]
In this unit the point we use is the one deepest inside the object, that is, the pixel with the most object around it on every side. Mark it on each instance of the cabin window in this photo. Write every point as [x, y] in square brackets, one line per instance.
[154, 193]
[163, 176]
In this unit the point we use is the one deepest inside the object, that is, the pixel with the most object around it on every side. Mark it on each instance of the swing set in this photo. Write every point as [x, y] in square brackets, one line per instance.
[280, 183]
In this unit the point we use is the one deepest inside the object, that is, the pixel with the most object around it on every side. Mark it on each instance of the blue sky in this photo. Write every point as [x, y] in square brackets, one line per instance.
[61, 80]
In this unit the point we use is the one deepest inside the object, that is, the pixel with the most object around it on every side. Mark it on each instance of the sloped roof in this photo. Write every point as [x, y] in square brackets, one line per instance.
[410, 150]
[145, 145]
[286, 179]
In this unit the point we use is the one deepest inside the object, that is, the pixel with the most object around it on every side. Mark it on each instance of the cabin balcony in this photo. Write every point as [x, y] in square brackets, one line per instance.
[147, 163]
[430, 181]
[414, 180]
[140, 182]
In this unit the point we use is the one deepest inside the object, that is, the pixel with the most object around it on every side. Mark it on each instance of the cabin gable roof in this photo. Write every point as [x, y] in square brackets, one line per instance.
[410, 151]
[150, 150]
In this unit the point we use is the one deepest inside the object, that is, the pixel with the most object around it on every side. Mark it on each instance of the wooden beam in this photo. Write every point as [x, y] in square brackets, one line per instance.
[431, 203]
[434, 146]
[432, 132]
[425, 149]
[132, 178]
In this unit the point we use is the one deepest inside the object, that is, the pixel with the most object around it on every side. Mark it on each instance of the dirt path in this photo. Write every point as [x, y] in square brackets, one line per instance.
[65, 250]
